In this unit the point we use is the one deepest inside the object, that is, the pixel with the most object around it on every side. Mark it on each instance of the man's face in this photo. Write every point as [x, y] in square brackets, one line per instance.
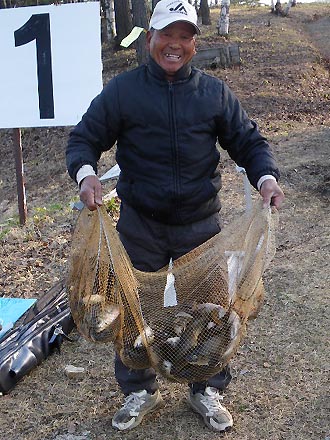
[172, 47]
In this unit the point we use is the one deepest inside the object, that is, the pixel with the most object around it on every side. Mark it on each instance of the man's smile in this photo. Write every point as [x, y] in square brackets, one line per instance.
[172, 56]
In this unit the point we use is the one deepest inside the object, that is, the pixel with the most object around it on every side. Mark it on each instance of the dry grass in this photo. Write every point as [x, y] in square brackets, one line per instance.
[280, 388]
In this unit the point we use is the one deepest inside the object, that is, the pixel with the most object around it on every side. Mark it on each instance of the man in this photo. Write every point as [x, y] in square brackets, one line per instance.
[166, 117]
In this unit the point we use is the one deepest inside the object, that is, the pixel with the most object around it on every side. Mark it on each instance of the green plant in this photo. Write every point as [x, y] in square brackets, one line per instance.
[7, 225]
[112, 206]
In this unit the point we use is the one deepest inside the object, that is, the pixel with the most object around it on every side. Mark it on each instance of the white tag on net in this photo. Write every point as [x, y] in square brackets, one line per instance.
[170, 299]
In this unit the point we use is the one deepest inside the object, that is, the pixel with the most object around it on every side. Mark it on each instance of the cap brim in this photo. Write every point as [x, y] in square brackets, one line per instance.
[164, 23]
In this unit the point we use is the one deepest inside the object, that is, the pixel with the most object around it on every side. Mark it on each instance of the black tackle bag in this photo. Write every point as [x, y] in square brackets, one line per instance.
[35, 336]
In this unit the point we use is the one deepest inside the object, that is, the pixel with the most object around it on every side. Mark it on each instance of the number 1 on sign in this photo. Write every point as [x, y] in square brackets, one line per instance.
[38, 28]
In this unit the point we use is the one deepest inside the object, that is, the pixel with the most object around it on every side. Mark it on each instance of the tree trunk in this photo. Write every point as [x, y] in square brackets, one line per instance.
[288, 7]
[154, 3]
[278, 8]
[5, 4]
[272, 5]
[123, 19]
[224, 18]
[109, 12]
[141, 19]
[205, 12]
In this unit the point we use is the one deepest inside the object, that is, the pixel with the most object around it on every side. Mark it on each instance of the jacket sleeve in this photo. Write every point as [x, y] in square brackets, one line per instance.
[240, 136]
[96, 132]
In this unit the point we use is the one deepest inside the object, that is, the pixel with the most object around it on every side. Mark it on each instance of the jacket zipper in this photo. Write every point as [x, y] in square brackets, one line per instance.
[175, 148]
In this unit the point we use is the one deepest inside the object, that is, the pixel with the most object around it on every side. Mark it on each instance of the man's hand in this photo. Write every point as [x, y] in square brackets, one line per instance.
[91, 192]
[271, 193]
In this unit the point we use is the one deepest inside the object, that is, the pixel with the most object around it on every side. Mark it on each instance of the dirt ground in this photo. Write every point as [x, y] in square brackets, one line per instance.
[280, 386]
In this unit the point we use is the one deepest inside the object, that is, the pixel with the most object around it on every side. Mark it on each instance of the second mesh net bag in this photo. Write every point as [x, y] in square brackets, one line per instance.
[186, 320]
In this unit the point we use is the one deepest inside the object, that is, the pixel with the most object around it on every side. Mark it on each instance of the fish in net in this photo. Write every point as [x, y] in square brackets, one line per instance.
[186, 320]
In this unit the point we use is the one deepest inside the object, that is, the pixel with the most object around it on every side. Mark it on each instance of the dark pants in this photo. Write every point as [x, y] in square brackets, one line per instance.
[150, 245]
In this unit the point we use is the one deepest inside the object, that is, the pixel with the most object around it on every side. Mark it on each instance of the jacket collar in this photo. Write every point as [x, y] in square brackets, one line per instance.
[159, 73]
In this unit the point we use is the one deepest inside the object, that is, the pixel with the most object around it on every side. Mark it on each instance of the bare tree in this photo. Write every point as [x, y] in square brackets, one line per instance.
[154, 3]
[123, 19]
[224, 18]
[5, 4]
[140, 18]
[205, 12]
[288, 7]
[109, 15]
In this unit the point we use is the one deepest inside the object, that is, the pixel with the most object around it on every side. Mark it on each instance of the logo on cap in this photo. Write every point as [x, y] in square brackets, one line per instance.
[179, 8]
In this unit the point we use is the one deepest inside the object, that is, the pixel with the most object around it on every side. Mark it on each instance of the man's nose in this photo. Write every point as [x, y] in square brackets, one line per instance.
[174, 43]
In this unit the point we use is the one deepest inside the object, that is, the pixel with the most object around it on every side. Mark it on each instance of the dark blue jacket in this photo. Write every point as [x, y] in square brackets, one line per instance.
[166, 134]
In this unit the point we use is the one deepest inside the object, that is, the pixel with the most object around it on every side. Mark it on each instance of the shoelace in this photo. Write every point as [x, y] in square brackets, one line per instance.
[212, 402]
[133, 402]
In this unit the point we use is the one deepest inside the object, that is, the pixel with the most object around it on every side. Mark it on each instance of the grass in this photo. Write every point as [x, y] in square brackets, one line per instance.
[285, 86]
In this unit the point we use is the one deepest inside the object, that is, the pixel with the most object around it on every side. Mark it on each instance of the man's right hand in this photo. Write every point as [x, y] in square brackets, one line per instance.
[91, 192]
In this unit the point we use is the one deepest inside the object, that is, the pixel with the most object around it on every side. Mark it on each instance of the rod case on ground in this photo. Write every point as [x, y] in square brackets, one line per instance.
[35, 336]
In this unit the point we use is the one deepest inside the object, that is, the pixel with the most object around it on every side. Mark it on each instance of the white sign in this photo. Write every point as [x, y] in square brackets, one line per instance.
[51, 65]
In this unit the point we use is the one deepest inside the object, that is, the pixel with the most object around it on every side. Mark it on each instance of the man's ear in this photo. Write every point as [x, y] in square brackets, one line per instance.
[148, 38]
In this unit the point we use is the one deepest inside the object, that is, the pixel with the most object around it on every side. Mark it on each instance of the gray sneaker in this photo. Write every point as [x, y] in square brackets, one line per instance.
[208, 405]
[136, 405]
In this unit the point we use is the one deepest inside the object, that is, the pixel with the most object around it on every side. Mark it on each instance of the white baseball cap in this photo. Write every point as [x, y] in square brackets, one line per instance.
[170, 11]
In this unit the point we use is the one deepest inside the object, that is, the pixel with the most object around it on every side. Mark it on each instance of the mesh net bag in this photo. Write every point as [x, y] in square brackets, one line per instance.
[186, 320]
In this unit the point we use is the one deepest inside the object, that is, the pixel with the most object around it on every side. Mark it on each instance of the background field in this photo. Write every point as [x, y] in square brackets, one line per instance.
[280, 388]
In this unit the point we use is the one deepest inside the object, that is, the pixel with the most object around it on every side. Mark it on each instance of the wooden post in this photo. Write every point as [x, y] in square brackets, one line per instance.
[20, 176]
[224, 55]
